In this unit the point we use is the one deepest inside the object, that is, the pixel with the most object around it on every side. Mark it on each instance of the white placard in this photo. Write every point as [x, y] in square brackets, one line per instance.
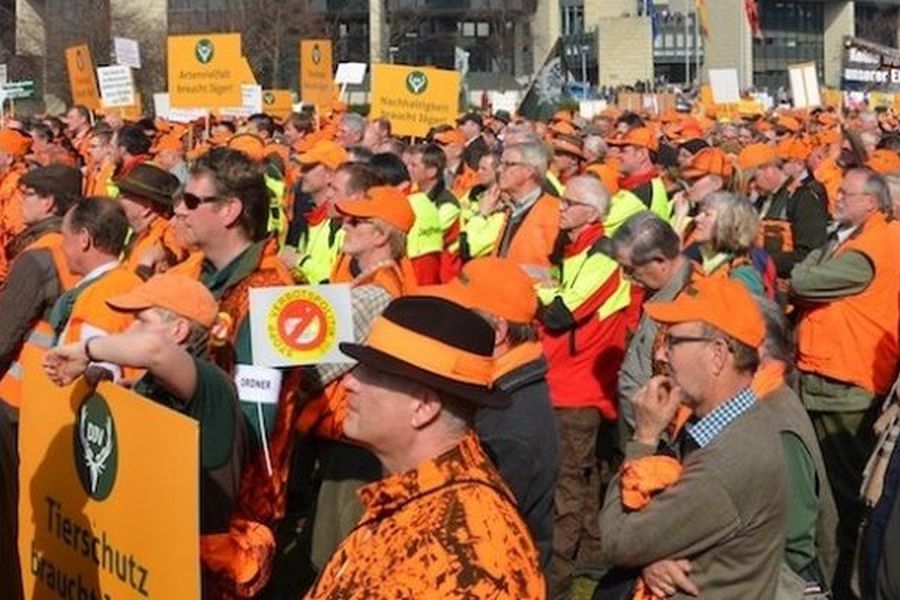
[128, 52]
[164, 110]
[4, 74]
[508, 101]
[350, 73]
[591, 108]
[300, 325]
[257, 384]
[804, 85]
[116, 85]
[724, 85]
[251, 102]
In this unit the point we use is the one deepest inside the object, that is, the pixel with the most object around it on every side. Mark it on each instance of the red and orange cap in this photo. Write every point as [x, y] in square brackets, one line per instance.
[180, 294]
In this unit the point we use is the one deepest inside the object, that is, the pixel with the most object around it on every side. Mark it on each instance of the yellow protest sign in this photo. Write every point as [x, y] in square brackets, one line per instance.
[832, 98]
[748, 107]
[877, 99]
[132, 112]
[82, 79]
[277, 103]
[316, 79]
[246, 73]
[109, 501]
[205, 71]
[299, 325]
[415, 99]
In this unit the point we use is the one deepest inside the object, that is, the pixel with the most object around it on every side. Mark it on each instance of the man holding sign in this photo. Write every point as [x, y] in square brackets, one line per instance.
[173, 316]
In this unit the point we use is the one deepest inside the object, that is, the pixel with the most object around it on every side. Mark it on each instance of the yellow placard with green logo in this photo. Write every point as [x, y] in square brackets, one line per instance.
[205, 71]
[316, 77]
[415, 99]
[277, 103]
[109, 494]
[82, 79]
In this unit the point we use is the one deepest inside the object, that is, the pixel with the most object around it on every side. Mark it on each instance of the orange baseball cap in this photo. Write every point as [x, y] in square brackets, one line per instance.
[383, 202]
[792, 148]
[639, 136]
[563, 128]
[568, 144]
[476, 287]
[608, 175]
[14, 142]
[180, 294]
[789, 123]
[325, 152]
[884, 161]
[168, 141]
[451, 136]
[717, 301]
[756, 155]
[251, 145]
[709, 161]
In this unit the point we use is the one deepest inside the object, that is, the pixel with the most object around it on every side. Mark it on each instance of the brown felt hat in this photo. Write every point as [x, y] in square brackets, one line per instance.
[149, 182]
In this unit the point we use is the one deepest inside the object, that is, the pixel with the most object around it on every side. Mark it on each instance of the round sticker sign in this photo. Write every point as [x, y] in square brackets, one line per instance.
[302, 325]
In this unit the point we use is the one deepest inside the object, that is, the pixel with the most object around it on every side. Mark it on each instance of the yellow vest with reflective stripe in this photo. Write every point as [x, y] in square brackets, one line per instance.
[426, 235]
[319, 253]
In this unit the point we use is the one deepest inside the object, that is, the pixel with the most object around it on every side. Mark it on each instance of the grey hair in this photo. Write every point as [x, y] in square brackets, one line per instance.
[777, 343]
[877, 187]
[736, 222]
[354, 122]
[646, 237]
[590, 191]
[533, 154]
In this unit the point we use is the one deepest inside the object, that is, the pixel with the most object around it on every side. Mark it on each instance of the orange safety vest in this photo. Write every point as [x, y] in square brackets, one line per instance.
[11, 223]
[854, 339]
[98, 176]
[158, 234]
[534, 241]
[91, 315]
[40, 338]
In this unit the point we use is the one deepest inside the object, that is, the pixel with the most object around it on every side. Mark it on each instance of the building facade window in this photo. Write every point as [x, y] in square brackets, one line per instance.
[793, 32]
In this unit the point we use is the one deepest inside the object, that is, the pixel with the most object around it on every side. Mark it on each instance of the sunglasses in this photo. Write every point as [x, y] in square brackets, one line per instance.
[192, 201]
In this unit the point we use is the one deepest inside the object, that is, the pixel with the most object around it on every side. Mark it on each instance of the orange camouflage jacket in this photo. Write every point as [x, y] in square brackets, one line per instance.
[447, 529]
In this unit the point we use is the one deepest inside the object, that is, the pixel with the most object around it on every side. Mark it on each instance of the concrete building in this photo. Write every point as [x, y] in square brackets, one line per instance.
[607, 42]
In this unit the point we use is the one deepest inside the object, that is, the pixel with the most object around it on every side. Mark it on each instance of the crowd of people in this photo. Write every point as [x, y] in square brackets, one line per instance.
[637, 356]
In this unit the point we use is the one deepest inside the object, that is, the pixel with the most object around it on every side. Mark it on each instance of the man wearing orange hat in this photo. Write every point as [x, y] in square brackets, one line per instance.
[847, 339]
[568, 157]
[708, 171]
[313, 228]
[168, 153]
[375, 229]
[792, 206]
[520, 442]
[584, 319]
[641, 177]
[14, 145]
[717, 513]
[172, 318]
[442, 523]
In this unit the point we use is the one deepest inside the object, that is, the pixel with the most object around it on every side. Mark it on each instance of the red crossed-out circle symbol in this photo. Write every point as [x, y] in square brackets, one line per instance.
[302, 325]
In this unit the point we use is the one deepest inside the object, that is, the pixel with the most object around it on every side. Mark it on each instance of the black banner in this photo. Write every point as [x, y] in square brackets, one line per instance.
[869, 67]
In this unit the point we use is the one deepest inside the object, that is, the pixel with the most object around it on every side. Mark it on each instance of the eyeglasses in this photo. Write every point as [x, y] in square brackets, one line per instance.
[192, 201]
[505, 164]
[569, 203]
[673, 340]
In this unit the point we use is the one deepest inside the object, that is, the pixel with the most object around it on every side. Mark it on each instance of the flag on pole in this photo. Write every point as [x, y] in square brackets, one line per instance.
[655, 20]
[703, 17]
[547, 89]
[752, 9]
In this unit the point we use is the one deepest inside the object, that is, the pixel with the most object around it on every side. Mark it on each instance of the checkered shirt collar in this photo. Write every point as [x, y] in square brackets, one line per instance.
[706, 429]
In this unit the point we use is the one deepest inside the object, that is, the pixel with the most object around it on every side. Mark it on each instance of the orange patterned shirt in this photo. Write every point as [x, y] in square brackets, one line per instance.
[447, 529]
